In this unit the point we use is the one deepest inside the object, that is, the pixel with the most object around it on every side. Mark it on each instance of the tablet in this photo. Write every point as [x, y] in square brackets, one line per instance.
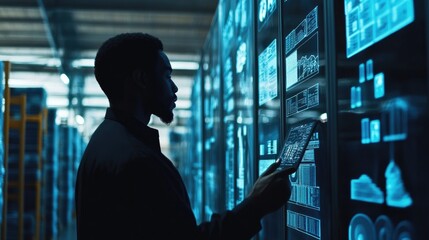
[295, 145]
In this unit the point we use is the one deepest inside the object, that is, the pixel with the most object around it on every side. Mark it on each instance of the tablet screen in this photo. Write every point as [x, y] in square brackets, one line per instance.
[296, 144]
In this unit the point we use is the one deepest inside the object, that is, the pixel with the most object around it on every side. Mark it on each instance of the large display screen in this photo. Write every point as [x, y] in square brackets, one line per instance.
[382, 119]
[237, 99]
[192, 167]
[213, 201]
[229, 106]
[244, 117]
[305, 86]
[267, 49]
[370, 21]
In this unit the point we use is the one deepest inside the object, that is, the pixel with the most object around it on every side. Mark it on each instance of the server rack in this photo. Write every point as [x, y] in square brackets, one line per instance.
[382, 118]
[213, 166]
[376, 99]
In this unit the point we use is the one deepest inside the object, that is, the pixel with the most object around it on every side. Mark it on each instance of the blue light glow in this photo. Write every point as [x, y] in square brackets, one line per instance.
[363, 189]
[241, 57]
[369, 21]
[379, 85]
[353, 97]
[264, 164]
[396, 194]
[395, 120]
[369, 70]
[365, 131]
[356, 97]
[384, 228]
[375, 131]
[361, 73]
[361, 228]
[267, 68]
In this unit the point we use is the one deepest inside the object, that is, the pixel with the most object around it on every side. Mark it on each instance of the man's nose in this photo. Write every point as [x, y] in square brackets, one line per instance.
[175, 88]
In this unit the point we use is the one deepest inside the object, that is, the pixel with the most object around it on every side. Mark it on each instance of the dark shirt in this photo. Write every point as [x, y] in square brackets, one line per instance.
[127, 189]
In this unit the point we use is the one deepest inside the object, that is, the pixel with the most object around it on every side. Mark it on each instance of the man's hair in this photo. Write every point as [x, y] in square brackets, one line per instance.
[119, 56]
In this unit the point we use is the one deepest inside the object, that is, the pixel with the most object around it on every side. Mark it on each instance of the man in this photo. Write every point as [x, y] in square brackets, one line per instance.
[126, 188]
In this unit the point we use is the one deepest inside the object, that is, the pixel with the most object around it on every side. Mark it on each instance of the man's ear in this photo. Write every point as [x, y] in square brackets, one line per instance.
[139, 78]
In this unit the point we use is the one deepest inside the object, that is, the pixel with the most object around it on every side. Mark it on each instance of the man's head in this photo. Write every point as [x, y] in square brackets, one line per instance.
[133, 70]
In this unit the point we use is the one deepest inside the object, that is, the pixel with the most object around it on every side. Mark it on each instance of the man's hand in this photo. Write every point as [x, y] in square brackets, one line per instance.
[271, 190]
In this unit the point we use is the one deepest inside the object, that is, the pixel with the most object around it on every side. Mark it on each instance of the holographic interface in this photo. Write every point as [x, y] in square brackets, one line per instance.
[369, 21]
[366, 73]
[303, 223]
[395, 120]
[302, 50]
[266, 9]
[304, 100]
[364, 189]
[242, 154]
[361, 227]
[229, 166]
[241, 57]
[305, 190]
[267, 68]
[396, 194]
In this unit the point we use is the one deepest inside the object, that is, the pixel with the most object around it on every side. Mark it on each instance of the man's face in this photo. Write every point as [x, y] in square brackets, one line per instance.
[164, 90]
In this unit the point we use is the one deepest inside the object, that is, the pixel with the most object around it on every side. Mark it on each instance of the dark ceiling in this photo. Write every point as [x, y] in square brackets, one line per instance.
[74, 29]
[44, 38]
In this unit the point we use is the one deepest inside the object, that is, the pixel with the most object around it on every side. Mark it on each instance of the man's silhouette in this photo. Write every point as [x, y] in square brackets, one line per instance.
[126, 188]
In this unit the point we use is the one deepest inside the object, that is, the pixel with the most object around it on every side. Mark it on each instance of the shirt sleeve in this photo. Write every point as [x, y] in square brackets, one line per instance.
[239, 223]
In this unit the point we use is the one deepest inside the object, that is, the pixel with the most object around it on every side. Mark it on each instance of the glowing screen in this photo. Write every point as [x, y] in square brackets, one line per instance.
[302, 50]
[295, 145]
[382, 118]
[267, 67]
[266, 9]
[304, 84]
[369, 21]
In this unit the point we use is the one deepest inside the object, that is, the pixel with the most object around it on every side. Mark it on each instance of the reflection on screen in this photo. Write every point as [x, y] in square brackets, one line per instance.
[367, 22]
[267, 68]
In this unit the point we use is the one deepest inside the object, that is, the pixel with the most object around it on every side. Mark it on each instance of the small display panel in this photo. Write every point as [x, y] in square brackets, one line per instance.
[267, 61]
[295, 145]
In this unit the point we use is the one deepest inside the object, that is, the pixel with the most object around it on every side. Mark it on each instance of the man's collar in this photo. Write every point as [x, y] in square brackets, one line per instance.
[142, 132]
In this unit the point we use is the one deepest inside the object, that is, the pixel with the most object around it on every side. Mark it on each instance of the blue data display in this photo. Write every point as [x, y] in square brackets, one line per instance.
[266, 9]
[396, 194]
[362, 227]
[241, 57]
[267, 68]
[364, 189]
[379, 85]
[369, 21]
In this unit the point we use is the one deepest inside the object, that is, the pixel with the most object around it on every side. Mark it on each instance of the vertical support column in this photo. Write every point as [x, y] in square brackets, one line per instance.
[7, 68]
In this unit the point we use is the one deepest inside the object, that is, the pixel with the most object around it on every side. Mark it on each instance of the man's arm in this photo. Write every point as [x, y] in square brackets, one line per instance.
[269, 193]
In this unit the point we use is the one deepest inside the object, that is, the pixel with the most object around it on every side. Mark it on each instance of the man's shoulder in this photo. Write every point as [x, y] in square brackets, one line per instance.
[113, 139]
